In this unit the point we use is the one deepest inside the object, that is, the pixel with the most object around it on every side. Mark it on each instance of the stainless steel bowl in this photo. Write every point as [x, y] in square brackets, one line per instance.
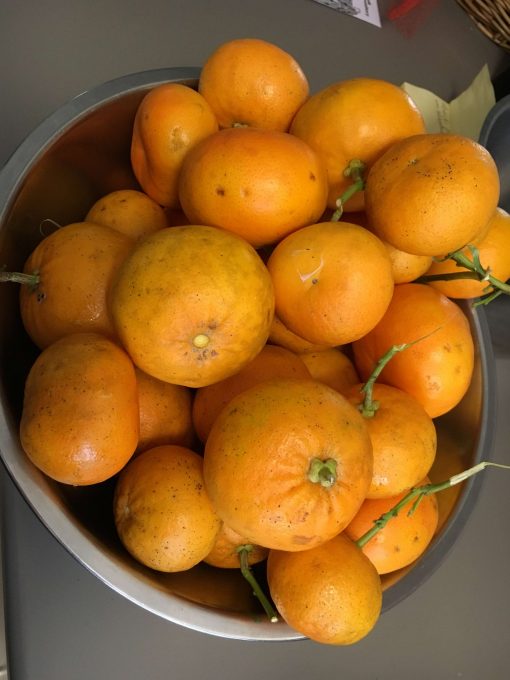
[78, 154]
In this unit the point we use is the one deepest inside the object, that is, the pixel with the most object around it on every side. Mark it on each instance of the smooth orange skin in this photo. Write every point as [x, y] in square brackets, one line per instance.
[129, 211]
[404, 538]
[76, 265]
[431, 194]
[260, 184]
[332, 283]
[404, 440]
[352, 119]
[169, 121]
[224, 553]
[162, 513]
[79, 423]
[331, 594]
[332, 367]
[181, 283]
[249, 81]
[437, 370]
[280, 335]
[271, 362]
[258, 454]
[165, 412]
[494, 252]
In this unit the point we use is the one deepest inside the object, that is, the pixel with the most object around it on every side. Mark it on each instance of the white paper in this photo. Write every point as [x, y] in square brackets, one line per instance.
[464, 115]
[366, 10]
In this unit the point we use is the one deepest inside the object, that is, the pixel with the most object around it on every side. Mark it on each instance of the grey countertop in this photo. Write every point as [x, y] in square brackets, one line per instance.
[62, 622]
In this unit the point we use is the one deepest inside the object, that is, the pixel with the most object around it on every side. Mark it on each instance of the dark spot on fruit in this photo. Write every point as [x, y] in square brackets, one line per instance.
[220, 191]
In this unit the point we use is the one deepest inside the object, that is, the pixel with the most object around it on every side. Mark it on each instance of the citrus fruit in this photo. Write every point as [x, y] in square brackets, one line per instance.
[260, 184]
[224, 553]
[437, 370]
[403, 439]
[494, 254]
[332, 367]
[331, 593]
[129, 211]
[192, 305]
[404, 538]
[271, 362]
[287, 463]
[165, 412]
[248, 81]
[72, 269]
[431, 194]
[332, 282]
[357, 118]
[79, 423]
[280, 335]
[169, 121]
[162, 513]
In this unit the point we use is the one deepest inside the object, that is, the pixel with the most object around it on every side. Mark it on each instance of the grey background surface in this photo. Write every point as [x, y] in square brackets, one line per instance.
[64, 624]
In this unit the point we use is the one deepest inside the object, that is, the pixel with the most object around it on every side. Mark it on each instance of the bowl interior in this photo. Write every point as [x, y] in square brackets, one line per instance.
[74, 157]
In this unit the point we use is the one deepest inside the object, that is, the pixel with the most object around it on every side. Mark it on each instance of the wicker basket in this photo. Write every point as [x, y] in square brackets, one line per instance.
[492, 17]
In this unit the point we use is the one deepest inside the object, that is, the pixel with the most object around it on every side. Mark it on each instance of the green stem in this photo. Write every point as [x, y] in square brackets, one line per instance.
[243, 552]
[31, 280]
[322, 472]
[369, 407]
[475, 270]
[355, 171]
[417, 493]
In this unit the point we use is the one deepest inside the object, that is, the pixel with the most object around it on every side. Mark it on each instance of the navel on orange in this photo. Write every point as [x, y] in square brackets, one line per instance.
[260, 184]
[192, 305]
[287, 463]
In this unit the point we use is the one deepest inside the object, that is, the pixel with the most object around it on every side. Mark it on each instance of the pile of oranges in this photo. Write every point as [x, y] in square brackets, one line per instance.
[208, 337]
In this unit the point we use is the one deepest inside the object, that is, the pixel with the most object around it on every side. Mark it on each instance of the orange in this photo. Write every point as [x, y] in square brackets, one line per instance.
[224, 553]
[404, 538]
[165, 412]
[248, 81]
[331, 593]
[162, 513]
[129, 211]
[169, 121]
[332, 367]
[406, 267]
[333, 282]
[403, 440]
[437, 370]
[358, 118]
[271, 362]
[260, 184]
[79, 423]
[494, 253]
[432, 194]
[280, 335]
[288, 463]
[73, 269]
[192, 305]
